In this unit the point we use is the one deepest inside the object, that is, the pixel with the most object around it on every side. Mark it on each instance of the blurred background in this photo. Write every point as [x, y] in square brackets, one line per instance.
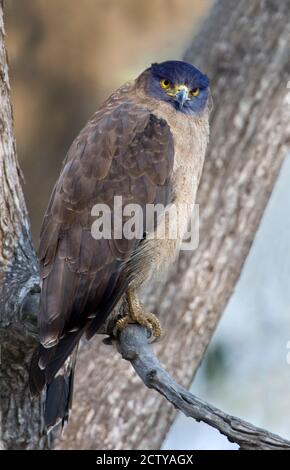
[65, 58]
[246, 370]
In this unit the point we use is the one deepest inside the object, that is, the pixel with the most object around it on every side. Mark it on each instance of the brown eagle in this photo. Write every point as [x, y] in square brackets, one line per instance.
[146, 145]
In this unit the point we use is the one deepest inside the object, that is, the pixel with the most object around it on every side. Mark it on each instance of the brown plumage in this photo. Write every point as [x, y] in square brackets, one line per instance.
[131, 147]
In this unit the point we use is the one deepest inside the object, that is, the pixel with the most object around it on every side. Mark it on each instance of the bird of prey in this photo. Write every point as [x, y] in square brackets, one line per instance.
[146, 144]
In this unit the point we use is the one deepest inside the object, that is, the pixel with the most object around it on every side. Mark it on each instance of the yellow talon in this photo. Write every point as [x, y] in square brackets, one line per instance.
[137, 315]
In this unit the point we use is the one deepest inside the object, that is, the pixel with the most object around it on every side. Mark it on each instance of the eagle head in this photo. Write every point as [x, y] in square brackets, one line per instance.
[180, 84]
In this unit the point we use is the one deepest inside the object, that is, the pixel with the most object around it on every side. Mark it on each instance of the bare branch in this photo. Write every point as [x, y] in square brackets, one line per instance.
[134, 347]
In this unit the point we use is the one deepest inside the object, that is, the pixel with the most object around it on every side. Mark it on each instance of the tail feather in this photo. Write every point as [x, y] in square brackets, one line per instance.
[58, 376]
[59, 394]
[62, 351]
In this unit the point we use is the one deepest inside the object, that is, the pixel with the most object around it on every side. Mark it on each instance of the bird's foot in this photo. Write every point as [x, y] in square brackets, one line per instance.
[147, 319]
[137, 315]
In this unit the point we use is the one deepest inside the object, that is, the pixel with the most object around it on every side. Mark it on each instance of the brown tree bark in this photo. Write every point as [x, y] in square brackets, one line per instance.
[245, 48]
[21, 418]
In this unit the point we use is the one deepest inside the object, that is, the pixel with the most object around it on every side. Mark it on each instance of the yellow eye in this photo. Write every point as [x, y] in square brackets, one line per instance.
[195, 92]
[165, 83]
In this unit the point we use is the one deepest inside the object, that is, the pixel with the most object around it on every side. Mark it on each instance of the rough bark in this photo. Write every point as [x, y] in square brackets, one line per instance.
[245, 48]
[21, 420]
[134, 346]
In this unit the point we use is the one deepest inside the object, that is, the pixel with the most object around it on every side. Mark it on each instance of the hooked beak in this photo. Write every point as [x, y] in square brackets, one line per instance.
[182, 95]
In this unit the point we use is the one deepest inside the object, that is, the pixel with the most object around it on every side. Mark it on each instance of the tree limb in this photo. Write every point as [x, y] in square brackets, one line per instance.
[134, 347]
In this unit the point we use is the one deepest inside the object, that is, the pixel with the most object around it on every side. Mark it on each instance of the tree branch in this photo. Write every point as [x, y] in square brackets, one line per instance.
[134, 347]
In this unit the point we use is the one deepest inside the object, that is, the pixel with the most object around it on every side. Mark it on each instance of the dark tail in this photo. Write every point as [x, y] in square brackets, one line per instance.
[54, 367]
[59, 394]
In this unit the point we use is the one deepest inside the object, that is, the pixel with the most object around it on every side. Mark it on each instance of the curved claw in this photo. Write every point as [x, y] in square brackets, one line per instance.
[147, 319]
[153, 323]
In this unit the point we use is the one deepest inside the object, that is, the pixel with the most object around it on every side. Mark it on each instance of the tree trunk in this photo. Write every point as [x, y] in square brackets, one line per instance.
[245, 48]
[21, 418]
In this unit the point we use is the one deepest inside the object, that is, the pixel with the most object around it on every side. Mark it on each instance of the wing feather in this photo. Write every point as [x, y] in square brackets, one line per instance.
[124, 150]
